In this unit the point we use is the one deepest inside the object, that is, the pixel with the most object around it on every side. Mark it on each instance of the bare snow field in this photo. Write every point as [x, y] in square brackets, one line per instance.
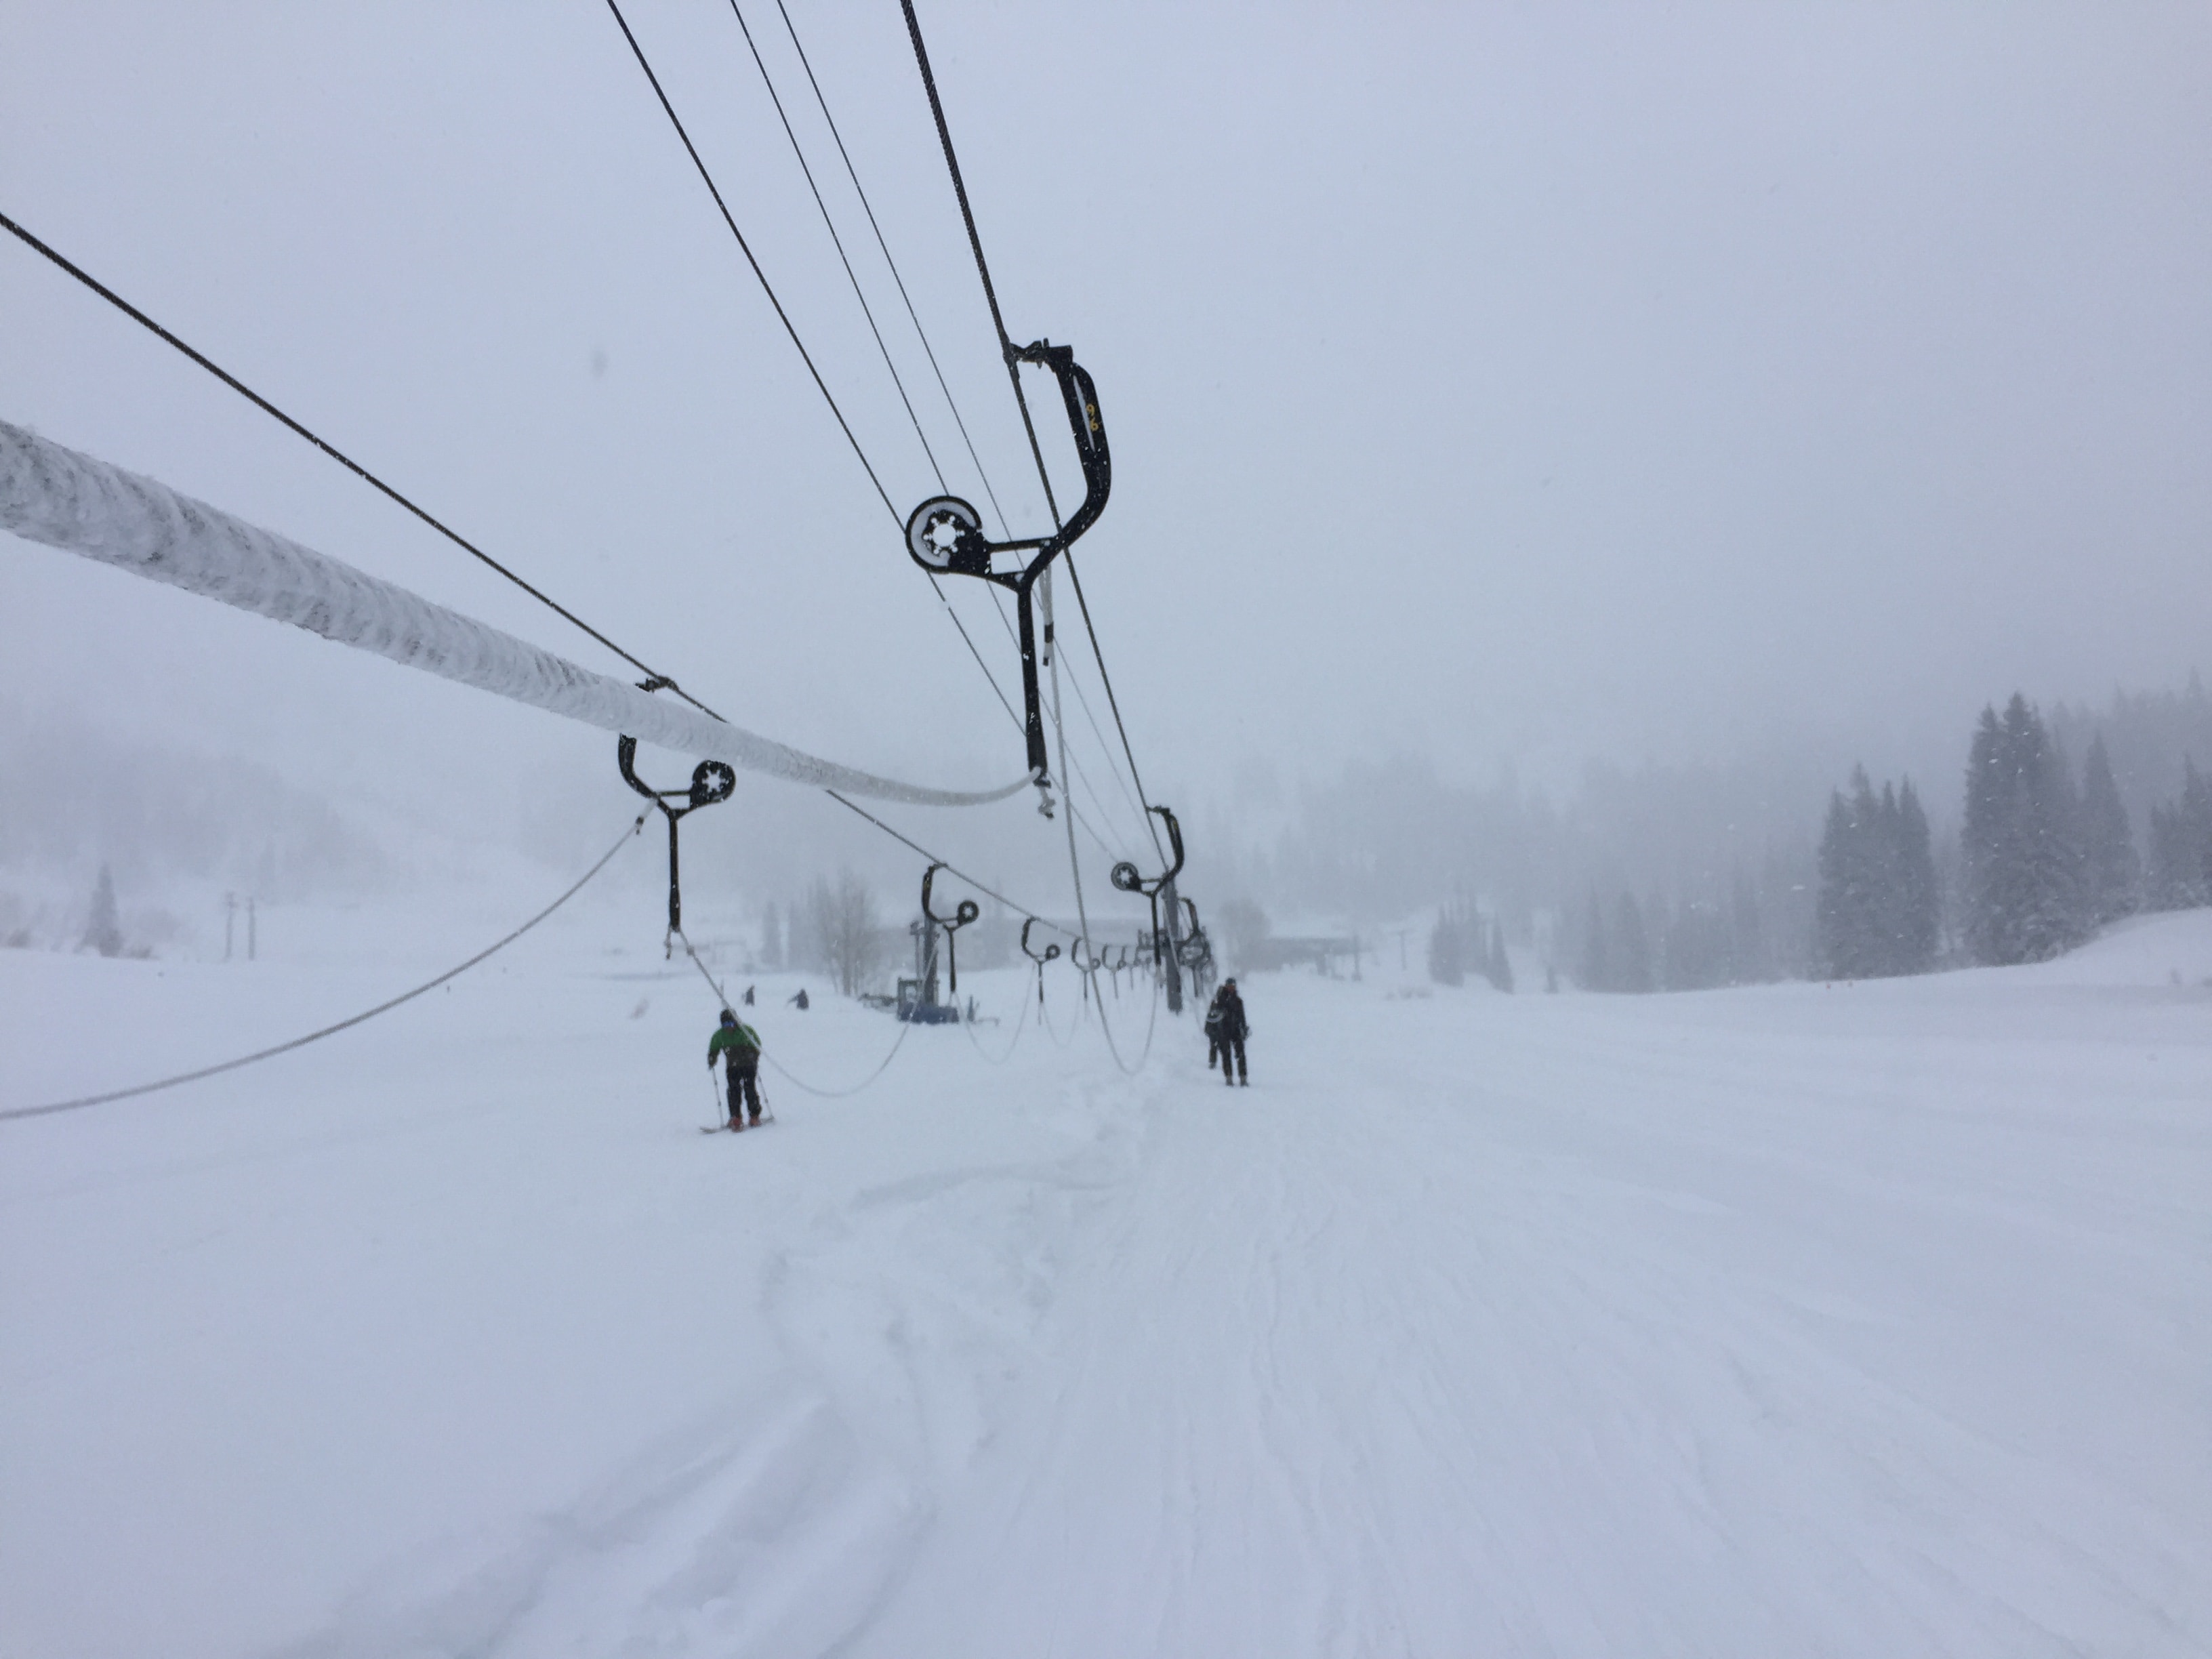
[1866, 1321]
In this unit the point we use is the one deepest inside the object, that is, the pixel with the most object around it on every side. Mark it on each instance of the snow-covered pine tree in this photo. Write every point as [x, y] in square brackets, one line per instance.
[2112, 872]
[103, 930]
[1876, 914]
[1448, 942]
[1920, 899]
[1500, 968]
[1846, 914]
[2022, 842]
[2181, 845]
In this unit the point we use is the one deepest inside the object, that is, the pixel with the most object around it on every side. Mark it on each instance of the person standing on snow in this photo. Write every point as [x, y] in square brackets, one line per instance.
[740, 1045]
[1213, 1028]
[1230, 1032]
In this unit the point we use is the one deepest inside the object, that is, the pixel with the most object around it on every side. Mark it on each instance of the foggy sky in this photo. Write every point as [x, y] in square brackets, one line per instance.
[1511, 384]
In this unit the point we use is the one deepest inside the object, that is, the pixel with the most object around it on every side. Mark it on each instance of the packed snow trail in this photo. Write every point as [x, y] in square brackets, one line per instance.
[1863, 1322]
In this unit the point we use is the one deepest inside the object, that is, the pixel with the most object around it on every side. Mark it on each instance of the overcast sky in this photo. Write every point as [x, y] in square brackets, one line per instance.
[1516, 384]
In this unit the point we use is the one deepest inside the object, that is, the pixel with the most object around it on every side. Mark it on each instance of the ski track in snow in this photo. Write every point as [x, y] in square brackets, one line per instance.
[1770, 1322]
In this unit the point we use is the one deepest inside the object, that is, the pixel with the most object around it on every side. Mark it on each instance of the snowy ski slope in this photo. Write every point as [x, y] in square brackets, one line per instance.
[1866, 1321]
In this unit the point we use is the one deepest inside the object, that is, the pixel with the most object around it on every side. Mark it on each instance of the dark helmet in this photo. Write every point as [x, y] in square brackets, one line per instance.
[729, 1017]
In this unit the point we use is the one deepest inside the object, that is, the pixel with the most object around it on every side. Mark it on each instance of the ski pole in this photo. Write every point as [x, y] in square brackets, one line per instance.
[717, 1088]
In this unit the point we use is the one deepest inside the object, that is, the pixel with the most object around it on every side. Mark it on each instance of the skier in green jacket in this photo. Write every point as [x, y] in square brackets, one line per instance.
[740, 1045]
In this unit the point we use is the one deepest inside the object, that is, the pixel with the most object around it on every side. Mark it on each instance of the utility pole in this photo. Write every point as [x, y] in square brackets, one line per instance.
[229, 921]
[252, 931]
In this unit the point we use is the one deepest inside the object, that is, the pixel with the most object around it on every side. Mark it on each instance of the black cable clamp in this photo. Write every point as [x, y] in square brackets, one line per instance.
[713, 783]
[1051, 953]
[963, 913]
[945, 535]
[1126, 877]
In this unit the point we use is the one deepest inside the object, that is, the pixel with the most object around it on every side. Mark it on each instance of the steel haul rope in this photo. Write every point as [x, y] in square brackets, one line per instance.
[345, 1024]
[1006, 346]
[768, 1059]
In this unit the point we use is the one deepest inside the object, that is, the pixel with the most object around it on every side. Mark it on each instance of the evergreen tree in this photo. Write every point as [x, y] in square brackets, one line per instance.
[1500, 968]
[772, 936]
[1631, 947]
[1595, 971]
[1843, 916]
[103, 932]
[1919, 915]
[2022, 842]
[1876, 914]
[1448, 945]
[2181, 845]
[2112, 872]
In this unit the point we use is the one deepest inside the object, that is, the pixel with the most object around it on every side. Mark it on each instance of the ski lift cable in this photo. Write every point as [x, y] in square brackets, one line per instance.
[853, 278]
[1133, 801]
[1112, 702]
[337, 455]
[945, 532]
[1097, 798]
[605, 859]
[990, 494]
[976, 242]
[913, 845]
[1105, 1026]
[860, 295]
[745, 247]
[803, 1087]
[1020, 1025]
[1090, 963]
[838, 242]
[203, 361]
[101, 511]
[1006, 345]
[200, 359]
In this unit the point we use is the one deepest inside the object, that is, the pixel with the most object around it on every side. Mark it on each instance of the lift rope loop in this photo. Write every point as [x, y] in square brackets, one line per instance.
[713, 783]
[966, 912]
[945, 535]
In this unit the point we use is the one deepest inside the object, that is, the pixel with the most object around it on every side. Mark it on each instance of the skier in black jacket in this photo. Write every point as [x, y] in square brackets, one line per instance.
[1230, 1032]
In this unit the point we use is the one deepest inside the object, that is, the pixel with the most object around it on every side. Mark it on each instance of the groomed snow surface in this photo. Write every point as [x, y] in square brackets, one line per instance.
[1871, 1321]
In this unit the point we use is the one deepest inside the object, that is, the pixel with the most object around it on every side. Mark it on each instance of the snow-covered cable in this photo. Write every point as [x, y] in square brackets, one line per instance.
[85, 505]
[343, 1024]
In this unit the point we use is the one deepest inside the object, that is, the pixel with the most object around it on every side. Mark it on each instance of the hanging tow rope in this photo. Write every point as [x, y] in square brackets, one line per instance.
[345, 1024]
[768, 1059]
